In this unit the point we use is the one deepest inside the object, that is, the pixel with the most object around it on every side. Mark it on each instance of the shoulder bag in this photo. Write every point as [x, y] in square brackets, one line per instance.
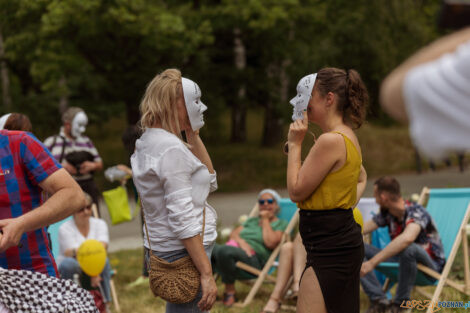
[178, 281]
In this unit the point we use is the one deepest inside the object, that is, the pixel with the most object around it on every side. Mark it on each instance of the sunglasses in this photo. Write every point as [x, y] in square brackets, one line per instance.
[269, 201]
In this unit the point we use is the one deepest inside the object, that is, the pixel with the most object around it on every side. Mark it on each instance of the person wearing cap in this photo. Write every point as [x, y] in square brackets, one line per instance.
[326, 186]
[174, 178]
[250, 243]
[76, 152]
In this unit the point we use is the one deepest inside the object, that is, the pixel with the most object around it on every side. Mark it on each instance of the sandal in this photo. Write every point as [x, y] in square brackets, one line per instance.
[229, 299]
[292, 295]
[278, 302]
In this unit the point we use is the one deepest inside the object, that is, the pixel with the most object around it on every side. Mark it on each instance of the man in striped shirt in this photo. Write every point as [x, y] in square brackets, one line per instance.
[76, 152]
[27, 169]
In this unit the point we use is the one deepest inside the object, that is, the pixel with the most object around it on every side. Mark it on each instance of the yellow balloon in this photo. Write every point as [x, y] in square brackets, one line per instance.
[358, 217]
[91, 256]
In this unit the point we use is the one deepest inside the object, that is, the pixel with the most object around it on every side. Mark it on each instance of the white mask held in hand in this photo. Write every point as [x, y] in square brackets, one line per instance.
[79, 123]
[194, 105]
[304, 92]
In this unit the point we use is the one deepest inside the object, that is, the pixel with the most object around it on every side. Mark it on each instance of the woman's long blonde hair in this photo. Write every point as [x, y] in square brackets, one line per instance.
[159, 102]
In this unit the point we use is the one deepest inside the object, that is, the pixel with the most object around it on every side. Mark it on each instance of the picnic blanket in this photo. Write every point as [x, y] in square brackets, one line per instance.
[27, 292]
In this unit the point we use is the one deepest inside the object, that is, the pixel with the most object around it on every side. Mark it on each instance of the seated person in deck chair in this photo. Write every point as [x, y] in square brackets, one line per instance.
[250, 243]
[414, 240]
[72, 234]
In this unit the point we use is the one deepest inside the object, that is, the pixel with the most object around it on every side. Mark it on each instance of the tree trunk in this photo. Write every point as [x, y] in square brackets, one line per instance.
[272, 130]
[7, 104]
[64, 98]
[132, 112]
[238, 133]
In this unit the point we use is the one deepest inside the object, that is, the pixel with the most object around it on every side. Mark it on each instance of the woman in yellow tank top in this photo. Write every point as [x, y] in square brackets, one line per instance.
[327, 186]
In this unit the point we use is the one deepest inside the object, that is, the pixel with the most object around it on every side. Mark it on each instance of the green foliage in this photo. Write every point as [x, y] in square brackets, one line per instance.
[101, 54]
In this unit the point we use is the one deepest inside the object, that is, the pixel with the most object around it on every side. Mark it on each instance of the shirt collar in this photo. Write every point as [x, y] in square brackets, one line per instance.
[62, 133]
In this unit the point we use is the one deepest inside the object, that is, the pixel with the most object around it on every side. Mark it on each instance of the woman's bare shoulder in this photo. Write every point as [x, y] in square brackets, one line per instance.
[329, 140]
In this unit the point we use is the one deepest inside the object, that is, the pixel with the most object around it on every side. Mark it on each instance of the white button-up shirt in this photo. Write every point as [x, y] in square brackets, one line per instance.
[173, 186]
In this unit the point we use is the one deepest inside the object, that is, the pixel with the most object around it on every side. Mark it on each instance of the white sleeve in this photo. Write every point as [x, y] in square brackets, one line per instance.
[102, 233]
[213, 185]
[48, 142]
[66, 238]
[175, 171]
[437, 98]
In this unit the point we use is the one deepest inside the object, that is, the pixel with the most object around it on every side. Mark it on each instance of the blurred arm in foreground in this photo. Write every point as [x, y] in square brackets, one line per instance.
[430, 89]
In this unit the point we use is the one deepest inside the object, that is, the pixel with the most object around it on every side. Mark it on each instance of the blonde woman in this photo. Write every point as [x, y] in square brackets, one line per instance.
[174, 178]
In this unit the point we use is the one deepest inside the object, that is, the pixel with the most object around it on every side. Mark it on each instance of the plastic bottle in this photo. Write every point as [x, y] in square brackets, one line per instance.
[115, 174]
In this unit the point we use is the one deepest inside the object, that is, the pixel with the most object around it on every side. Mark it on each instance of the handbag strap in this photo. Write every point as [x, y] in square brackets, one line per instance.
[147, 232]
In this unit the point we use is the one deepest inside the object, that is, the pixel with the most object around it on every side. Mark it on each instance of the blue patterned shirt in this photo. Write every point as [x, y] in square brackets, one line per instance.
[428, 238]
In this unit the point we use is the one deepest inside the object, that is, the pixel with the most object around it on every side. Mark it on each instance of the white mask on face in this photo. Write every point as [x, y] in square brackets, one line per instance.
[304, 92]
[79, 123]
[194, 105]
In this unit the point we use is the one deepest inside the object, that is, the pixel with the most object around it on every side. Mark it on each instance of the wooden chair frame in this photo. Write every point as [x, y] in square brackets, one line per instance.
[114, 295]
[443, 277]
[263, 275]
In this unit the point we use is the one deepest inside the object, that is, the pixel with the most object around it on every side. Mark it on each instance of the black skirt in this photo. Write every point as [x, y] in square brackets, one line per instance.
[335, 251]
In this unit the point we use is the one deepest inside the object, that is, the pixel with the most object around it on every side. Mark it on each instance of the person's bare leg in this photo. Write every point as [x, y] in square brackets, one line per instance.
[283, 274]
[310, 295]
[300, 258]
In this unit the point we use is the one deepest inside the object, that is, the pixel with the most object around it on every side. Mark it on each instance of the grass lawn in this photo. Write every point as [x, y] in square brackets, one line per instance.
[140, 299]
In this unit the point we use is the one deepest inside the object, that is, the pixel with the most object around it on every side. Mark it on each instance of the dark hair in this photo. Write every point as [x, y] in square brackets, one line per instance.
[350, 91]
[130, 136]
[388, 184]
[18, 121]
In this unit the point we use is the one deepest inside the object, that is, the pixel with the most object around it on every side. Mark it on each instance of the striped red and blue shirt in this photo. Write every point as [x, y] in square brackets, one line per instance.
[24, 163]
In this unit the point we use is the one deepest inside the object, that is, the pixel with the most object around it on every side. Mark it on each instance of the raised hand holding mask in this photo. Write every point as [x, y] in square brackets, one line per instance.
[304, 92]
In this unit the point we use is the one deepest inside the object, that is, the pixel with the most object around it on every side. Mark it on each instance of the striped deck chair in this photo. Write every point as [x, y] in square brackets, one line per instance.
[450, 209]
[288, 212]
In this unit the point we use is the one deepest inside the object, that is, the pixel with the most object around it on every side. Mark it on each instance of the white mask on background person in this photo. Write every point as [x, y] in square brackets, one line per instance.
[4, 119]
[194, 105]
[79, 123]
[304, 92]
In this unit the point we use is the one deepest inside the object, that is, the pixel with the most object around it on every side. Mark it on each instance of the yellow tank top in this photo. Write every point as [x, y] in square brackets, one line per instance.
[338, 189]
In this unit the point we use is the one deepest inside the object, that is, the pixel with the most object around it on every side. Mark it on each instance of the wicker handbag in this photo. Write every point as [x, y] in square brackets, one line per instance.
[178, 281]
